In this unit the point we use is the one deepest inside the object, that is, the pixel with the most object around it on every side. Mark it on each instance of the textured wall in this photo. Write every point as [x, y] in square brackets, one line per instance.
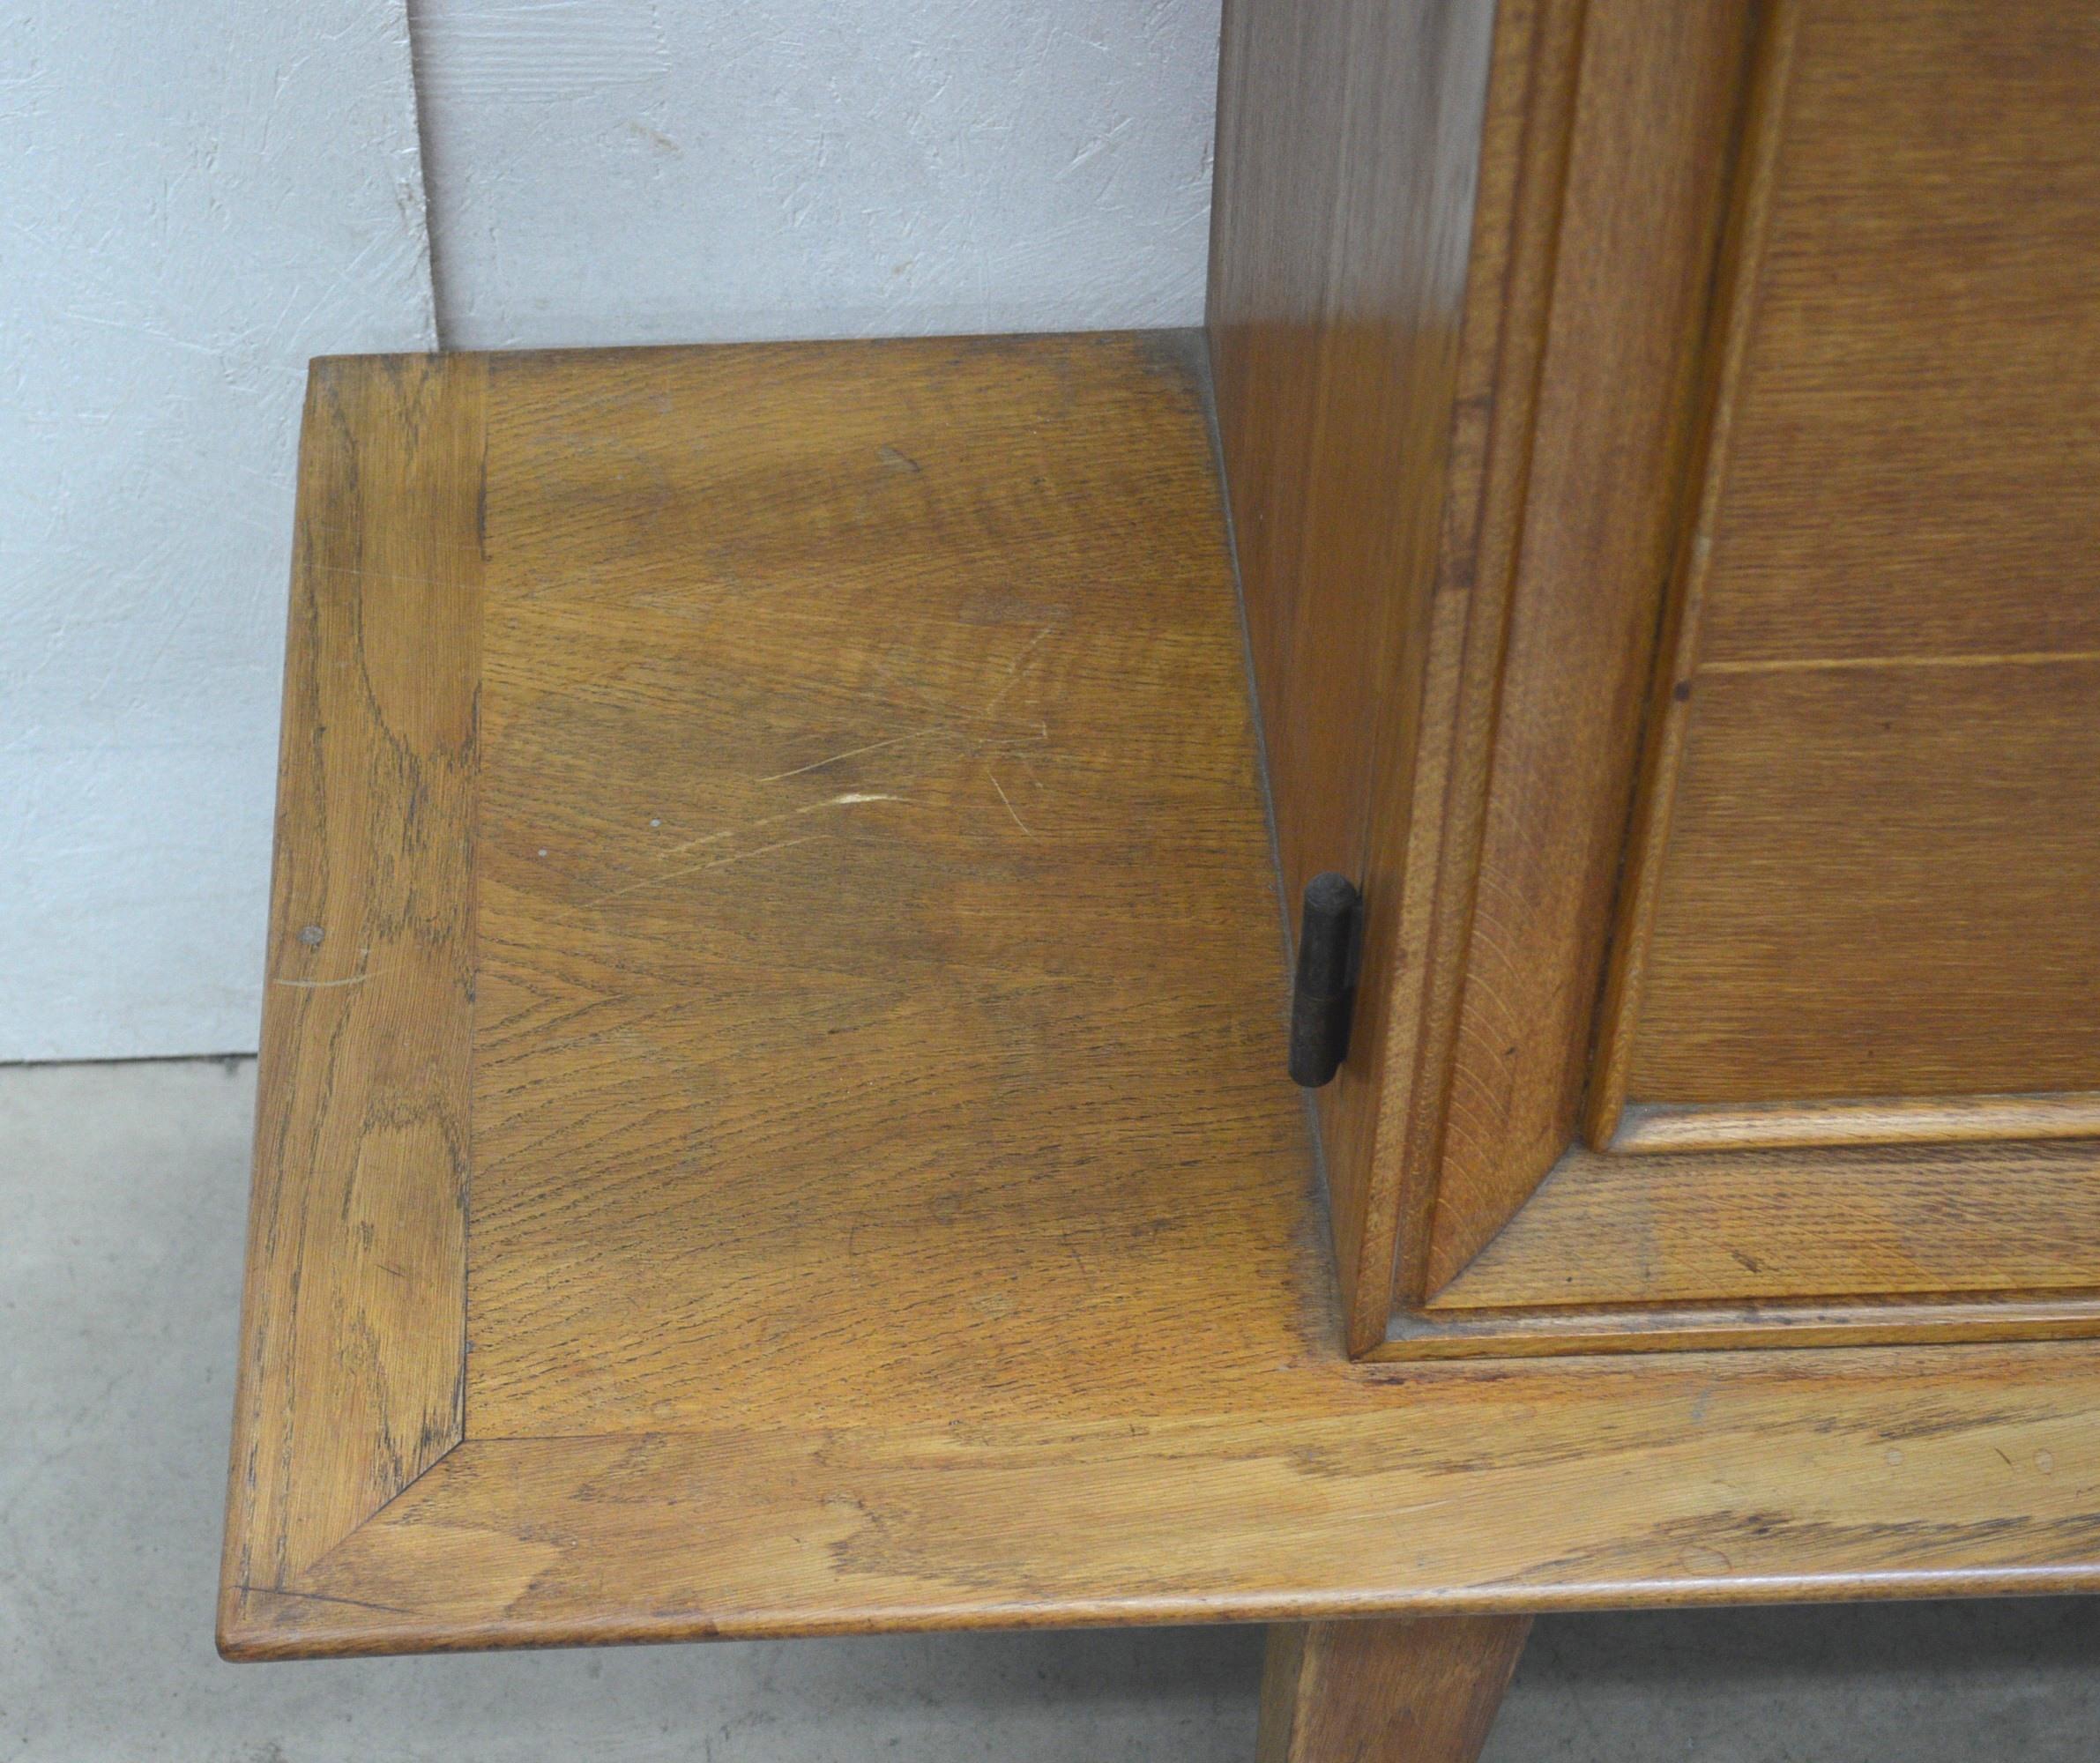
[197, 197]
[657, 170]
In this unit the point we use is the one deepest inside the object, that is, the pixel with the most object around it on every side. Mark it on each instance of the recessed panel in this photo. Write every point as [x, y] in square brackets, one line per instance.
[1881, 881]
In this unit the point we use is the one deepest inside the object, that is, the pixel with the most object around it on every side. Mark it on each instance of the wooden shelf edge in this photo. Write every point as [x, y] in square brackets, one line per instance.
[1657, 1126]
[892, 1532]
[342, 1631]
[1859, 1226]
[1678, 1327]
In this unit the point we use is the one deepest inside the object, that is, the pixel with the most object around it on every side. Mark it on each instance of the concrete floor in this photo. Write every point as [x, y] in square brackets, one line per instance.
[125, 1188]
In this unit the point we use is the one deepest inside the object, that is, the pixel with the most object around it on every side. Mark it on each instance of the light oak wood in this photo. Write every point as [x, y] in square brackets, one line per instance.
[1544, 453]
[1865, 1220]
[1432, 833]
[1698, 456]
[1452, 1332]
[1868, 868]
[1425, 1691]
[1349, 150]
[1741, 266]
[1557, 1485]
[1881, 882]
[1913, 1119]
[1657, 119]
[872, 859]
[350, 1355]
[1917, 465]
[895, 1216]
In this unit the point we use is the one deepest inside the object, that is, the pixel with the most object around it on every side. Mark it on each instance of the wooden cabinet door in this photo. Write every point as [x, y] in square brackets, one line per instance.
[1734, 882]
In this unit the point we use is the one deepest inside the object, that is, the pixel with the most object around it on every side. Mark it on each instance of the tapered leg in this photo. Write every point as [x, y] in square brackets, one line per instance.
[1420, 1690]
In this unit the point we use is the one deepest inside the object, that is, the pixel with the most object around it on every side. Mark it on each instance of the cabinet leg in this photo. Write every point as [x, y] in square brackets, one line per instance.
[1419, 1691]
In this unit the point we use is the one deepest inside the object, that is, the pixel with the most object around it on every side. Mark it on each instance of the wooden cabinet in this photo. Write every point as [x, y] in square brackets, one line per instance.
[1668, 535]
[773, 1114]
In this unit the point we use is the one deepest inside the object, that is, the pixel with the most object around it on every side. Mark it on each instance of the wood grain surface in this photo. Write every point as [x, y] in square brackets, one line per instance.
[1425, 1691]
[1916, 465]
[351, 1351]
[1881, 882]
[1658, 113]
[872, 856]
[1456, 454]
[1869, 869]
[1865, 1221]
[1532, 1329]
[1430, 831]
[895, 1215]
[1455, 543]
[1350, 146]
[1915, 1120]
[1509, 1487]
[1739, 273]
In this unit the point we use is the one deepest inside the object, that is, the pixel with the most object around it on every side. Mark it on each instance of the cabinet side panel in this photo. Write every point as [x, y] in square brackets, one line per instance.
[1350, 142]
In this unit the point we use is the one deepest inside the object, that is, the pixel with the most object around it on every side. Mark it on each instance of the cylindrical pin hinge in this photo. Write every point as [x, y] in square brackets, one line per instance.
[1324, 996]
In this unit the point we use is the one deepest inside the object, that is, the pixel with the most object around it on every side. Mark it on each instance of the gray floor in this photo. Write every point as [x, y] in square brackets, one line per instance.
[124, 1188]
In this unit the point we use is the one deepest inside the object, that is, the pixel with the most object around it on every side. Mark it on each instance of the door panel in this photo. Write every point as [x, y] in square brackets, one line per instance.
[1881, 882]
[1714, 624]
[1844, 1083]
[1868, 863]
[1914, 467]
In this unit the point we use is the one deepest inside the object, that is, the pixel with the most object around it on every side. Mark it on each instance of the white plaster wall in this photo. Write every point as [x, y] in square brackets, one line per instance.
[196, 196]
[619, 171]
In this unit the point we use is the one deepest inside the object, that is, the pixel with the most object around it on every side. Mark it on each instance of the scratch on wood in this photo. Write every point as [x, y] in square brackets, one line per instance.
[697, 868]
[1018, 822]
[1013, 674]
[848, 799]
[357, 979]
[854, 752]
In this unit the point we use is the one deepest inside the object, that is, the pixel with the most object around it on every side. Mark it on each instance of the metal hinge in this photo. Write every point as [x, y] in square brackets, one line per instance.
[1323, 997]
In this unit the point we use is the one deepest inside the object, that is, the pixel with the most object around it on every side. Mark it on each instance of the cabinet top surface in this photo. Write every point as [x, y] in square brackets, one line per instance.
[773, 1118]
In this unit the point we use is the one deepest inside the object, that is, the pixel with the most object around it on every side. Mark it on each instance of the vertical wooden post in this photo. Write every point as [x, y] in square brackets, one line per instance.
[1419, 1690]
